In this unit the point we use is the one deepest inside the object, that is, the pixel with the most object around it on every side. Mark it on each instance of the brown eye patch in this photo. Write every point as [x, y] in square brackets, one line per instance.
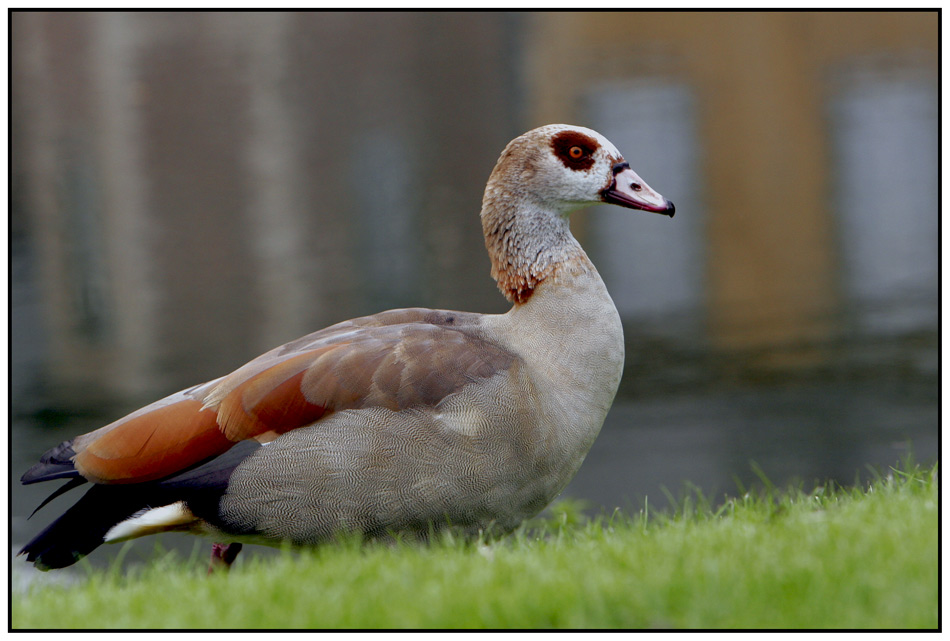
[574, 149]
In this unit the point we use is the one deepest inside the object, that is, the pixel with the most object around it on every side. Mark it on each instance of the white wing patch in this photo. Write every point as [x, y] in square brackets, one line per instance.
[151, 521]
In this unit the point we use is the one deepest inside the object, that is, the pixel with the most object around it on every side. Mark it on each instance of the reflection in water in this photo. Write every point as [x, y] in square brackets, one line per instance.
[809, 433]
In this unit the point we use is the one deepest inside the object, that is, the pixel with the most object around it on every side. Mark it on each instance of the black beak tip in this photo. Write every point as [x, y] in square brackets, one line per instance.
[670, 208]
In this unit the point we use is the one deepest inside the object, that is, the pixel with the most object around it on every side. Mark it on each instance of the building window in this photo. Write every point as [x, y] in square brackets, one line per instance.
[385, 227]
[653, 266]
[883, 121]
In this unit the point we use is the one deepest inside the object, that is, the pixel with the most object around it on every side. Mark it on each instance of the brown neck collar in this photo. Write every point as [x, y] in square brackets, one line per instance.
[528, 246]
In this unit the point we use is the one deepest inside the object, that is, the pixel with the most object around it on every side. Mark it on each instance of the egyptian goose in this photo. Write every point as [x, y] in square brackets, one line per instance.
[404, 421]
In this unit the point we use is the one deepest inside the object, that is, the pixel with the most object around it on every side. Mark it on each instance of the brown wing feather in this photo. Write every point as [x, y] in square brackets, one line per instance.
[397, 359]
[270, 400]
[392, 366]
[153, 445]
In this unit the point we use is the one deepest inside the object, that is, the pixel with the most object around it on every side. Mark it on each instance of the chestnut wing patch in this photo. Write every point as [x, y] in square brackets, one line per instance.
[394, 366]
[398, 359]
[152, 445]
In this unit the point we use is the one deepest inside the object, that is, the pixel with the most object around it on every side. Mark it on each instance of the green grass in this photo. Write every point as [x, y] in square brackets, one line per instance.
[829, 558]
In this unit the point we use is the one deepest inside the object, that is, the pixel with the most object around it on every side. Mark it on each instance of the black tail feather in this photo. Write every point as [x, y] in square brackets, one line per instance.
[82, 528]
[56, 463]
[75, 482]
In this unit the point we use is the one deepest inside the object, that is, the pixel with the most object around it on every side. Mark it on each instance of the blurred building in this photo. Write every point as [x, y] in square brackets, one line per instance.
[800, 147]
[192, 189]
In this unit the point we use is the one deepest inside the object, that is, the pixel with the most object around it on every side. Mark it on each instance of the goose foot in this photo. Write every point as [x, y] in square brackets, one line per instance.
[223, 555]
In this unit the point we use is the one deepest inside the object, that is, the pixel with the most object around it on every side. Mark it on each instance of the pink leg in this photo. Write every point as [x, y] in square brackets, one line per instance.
[223, 555]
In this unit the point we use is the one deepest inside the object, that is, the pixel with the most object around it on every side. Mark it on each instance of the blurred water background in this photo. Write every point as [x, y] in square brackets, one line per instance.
[191, 189]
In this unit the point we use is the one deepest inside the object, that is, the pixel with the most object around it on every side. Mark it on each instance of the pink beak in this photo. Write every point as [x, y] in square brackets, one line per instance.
[627, 189]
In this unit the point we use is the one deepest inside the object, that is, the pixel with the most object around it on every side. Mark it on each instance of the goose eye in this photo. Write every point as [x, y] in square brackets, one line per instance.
[574, 149]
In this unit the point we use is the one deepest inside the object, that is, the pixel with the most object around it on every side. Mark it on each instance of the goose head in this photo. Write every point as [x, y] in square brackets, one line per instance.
[540, 178]
[565, 167]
